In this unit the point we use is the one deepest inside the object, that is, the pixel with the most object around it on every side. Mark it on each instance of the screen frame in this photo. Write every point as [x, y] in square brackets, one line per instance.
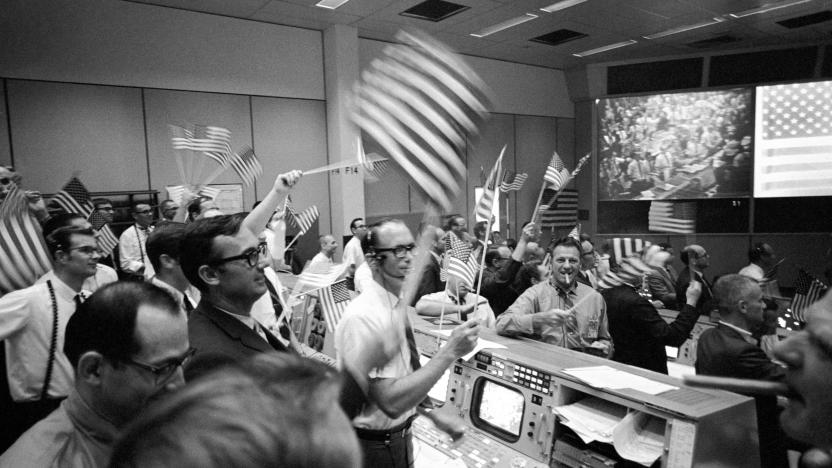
[479, 423]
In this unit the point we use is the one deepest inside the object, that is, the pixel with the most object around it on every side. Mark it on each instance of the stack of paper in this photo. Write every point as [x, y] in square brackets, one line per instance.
[592, 419]
[607, 377]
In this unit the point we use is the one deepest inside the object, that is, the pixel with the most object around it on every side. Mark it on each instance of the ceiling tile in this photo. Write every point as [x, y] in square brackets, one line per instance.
[275, 10]
[237, 8]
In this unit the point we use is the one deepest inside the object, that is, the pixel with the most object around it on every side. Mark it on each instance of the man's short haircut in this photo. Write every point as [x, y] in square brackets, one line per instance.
[567, 242]
[511, 243]
[730, 289]
[106, 321]
[165, 239]
[479, 229]
[99, 202]
[687, 254]
[275, 410]
[756, 252]
[197, 247]
[370, 241]
[194, 206]
[135, 207]
[525, 275]
[665, 246]
[61, 238]
[354, 223]
[58, 221]
[491, 255]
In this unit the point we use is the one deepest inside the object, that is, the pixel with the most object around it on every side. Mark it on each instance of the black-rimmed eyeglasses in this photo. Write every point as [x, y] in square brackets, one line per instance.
[163, 373]
[399, 251]
[252, 256]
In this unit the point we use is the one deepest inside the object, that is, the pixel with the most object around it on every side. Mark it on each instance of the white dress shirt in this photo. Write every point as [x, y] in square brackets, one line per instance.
[353, 255]
[103, 275]
[132, 252]
[26, 326]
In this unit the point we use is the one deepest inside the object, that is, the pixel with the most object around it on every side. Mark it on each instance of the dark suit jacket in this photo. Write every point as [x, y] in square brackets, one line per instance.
[221, 339]
[723, 351]
[430, 282]
[639, 334]
[496, 286]
[662, 287]
[706, 299]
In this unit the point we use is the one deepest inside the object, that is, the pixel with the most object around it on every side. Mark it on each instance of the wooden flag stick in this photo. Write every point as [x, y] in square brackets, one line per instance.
[219, 170]
[297, 236]
[537, 204]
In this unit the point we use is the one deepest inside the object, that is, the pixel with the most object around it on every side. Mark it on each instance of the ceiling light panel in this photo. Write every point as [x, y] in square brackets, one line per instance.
[330, 4]
[686, 28]
[561, 5]
[767, 8]
[605, 48]
[504, 25]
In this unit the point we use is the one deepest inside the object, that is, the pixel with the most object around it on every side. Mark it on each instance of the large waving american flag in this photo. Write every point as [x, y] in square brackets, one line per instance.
[23, 254]
[421, 104]
[794, 140]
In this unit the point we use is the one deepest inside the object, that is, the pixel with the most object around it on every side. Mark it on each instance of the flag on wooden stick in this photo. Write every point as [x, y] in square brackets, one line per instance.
[334, 299]
[807, 290]
[305, 218]
[246, 165]
[214, 142]
[486, 201]
[420, 103]
[557, 175]
[74, 198]
[512, 181]
[104, 235]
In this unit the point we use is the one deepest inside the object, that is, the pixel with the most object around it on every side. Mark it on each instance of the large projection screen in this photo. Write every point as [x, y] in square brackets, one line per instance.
[793, 152]
[676, 145]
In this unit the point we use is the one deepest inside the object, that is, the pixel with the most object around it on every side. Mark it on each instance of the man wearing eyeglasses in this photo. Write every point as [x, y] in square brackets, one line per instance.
[32, 323]
[126, 344]
[224, 258]
[376, 319]
[696, 260]
[132, 248]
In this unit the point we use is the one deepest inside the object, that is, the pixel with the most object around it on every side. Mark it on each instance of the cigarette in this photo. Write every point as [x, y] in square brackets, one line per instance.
[744, 386]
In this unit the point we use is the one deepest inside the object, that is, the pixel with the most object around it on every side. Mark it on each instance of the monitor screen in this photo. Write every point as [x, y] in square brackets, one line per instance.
[498, 409]
[793, 151]
[676, 146]
[439, 390]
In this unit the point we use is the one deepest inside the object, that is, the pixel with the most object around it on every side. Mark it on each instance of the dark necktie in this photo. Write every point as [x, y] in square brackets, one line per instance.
[283, 328]
[188, 306]
[79, 299]
[570, 324]
[411, 345]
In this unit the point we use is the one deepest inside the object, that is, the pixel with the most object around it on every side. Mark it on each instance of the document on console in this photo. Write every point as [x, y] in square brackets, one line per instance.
[592, 419]
[607, 377]
[481, 344]
[639, 438]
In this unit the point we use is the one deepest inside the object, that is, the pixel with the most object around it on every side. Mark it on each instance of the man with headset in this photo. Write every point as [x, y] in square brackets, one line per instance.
[374, 320]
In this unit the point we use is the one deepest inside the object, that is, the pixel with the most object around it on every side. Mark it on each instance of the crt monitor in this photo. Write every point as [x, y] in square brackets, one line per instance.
[497, 408]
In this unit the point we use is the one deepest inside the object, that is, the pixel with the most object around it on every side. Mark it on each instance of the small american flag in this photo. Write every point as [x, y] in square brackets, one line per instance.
[454, 247]
[623, 247]
[215, 142]
[678, 217]
[305, 218]
[74, 198]
[319, 276]
[807, 290]
[464, 270]
[107, 240]
[575, 233]
[246, 165]
[210, 192]
[334, 300]
[512, 181]
[23, 254]
[486, 201]
[561, 212]
[557, 175]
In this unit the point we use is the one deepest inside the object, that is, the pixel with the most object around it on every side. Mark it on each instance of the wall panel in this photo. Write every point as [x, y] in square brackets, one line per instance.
[5, 148]
[164, 108]
[537, 138]
[95, 132]
[291, 134]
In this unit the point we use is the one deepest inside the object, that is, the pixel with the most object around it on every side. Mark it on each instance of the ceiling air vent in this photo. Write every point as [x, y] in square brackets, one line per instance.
[558, 37]
[434, 10]
[713, 42]
[807, 20]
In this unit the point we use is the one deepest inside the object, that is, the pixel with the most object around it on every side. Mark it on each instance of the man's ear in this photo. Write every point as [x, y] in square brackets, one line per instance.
[208, 275]
[89, 367]
[372, 260]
